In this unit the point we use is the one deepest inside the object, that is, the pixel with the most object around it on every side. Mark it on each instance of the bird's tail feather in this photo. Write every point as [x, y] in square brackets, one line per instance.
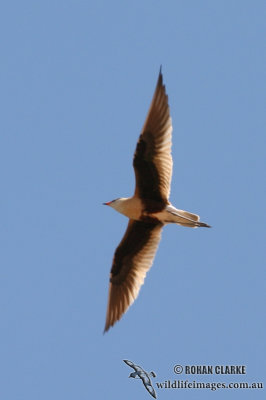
[185, 218]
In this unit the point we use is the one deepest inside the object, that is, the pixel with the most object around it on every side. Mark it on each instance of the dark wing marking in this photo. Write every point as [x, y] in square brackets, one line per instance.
[152, 160]
[132, 259]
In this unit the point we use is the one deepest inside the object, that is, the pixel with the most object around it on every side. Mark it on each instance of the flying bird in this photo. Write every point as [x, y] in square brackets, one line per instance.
[148, 210]
[143, 375]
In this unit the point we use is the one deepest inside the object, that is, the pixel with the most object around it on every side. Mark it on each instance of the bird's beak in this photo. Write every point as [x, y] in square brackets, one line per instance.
[107, 204]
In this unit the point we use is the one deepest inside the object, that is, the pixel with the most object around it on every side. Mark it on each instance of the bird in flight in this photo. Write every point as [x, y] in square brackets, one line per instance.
[148, 210]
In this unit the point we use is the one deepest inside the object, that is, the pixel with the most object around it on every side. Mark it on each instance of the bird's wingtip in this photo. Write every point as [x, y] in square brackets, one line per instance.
[204, 225]
[160, 77]
[107, 326]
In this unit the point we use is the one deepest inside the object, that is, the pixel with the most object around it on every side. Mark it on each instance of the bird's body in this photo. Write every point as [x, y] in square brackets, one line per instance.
[148, 210]
[134, 208]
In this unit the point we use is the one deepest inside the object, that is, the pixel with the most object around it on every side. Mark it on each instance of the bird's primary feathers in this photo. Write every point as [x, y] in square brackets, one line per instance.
[148, 210]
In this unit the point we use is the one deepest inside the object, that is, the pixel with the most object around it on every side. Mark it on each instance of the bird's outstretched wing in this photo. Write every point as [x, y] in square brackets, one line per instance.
[132, 259]
[151, 390]
[152, 160]
[137, 368]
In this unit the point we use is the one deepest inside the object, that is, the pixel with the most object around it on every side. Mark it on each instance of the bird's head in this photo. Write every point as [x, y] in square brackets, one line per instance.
[116, 204]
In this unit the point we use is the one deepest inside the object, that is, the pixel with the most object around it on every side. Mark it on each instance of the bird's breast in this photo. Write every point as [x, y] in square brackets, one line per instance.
[131, 208]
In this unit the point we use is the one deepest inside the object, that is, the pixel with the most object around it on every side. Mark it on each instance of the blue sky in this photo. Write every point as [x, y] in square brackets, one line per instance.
[77, 78]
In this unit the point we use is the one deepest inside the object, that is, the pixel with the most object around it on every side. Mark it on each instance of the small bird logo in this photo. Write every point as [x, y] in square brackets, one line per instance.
[143, 375]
